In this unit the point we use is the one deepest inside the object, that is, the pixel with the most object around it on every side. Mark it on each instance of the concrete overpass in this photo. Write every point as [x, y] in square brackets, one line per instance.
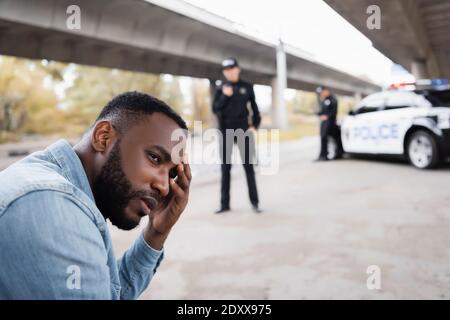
[414, 33]
[167, 36]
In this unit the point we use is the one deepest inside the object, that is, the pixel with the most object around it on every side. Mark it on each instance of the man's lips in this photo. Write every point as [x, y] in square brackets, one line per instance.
[149, 204]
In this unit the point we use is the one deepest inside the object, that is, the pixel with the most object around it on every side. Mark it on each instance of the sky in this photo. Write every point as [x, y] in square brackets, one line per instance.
[312, 26]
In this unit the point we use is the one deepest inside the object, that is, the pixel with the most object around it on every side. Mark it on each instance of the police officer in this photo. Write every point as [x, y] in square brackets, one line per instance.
[328, 127]
[231, 108]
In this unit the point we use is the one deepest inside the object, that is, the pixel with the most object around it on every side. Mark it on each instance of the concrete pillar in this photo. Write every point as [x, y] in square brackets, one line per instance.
[273, 111]
[279, 84]
[419, 69]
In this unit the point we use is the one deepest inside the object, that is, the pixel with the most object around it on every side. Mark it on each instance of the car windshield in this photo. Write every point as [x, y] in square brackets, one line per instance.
[437, 98]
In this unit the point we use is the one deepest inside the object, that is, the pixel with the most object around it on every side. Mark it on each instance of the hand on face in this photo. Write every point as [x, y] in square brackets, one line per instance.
[166, 214]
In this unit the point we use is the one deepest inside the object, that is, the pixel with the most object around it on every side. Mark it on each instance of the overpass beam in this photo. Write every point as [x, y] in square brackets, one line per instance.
[279, 84]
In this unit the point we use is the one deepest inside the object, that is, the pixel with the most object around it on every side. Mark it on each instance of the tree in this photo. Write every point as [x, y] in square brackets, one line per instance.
[93, 87]
[201, 100]
[44, 97]
[24, 95]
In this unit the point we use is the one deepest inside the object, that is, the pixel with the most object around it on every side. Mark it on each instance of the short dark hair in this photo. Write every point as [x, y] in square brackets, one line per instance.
[322, 88]
[127, 108]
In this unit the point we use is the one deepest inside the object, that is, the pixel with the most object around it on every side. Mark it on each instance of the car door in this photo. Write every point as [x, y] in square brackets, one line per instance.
[358, 128]
[392, 122]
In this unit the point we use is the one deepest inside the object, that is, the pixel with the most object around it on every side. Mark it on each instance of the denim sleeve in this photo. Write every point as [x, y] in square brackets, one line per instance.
[137, 267]
[51, 249]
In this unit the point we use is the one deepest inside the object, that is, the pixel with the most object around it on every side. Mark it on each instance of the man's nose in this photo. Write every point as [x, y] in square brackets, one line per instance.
[161, 182]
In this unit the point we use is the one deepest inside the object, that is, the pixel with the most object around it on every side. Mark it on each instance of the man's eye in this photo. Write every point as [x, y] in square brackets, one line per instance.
[154, 157]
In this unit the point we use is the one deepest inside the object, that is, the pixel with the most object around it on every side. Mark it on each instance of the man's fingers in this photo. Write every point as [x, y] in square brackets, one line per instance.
[187, 171]
[176, 189]
[182, 178]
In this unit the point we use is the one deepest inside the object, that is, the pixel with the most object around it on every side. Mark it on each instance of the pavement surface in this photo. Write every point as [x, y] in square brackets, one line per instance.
[323, 225]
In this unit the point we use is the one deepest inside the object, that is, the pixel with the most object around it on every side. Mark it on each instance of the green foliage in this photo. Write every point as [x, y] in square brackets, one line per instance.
[47, 97]
[93, 87]
[24, 96]
[304, 103]
[41, 97]
[201, 102]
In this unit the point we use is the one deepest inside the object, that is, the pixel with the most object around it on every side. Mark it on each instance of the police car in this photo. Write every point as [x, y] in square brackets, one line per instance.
[409, 120]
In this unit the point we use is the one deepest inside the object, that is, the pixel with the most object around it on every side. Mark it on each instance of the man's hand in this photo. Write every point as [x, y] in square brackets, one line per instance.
[227, 90]
[163, 217]
[323, 117]
[252, 129]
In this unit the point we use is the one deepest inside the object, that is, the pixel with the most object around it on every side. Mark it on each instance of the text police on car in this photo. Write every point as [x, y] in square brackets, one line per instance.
[412, 121]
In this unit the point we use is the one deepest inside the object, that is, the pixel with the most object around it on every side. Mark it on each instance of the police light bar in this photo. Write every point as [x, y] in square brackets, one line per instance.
[432, 82]
[420, 82]
[401, 85]
[439, 82]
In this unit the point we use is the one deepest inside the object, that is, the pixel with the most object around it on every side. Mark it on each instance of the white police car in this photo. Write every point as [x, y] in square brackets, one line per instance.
[413, 122]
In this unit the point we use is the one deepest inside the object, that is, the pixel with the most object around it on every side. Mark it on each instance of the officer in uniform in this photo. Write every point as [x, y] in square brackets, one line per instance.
[328, 127]
[230, 105]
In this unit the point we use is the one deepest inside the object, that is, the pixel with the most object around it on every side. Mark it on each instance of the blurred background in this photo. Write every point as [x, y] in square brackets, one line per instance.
[324, 224]
[42, 97]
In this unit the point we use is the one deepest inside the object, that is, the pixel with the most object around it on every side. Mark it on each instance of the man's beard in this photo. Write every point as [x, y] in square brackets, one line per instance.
[113, 192]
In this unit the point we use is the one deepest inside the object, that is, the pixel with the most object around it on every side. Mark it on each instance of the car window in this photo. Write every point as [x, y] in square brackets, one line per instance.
[366, 109]
[437, 98]
[396, 107]
[372, 103]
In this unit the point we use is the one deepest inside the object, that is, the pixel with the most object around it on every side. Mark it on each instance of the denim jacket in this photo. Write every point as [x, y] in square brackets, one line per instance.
[55, 243]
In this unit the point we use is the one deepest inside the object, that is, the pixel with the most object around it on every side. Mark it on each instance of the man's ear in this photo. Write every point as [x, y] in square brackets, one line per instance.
[103, 136]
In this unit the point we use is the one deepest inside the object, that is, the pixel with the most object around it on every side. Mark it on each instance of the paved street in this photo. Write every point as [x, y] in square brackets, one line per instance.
[323, 225]
[373, 75]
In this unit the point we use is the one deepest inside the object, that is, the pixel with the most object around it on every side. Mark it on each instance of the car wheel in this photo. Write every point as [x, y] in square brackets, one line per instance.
[422, 150]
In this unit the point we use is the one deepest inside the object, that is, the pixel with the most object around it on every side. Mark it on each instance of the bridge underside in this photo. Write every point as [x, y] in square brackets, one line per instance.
[414, 33]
